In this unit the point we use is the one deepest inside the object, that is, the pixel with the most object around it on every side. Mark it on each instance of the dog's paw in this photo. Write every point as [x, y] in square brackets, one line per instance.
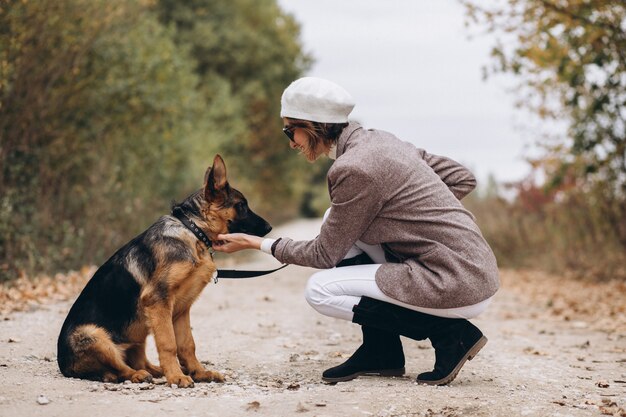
[207, 376]
[180, 380]
[141, 376]
[110, 377]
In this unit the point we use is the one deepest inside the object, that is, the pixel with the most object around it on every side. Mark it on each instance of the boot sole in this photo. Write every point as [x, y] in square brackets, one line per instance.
[383, 372]
[468, 357]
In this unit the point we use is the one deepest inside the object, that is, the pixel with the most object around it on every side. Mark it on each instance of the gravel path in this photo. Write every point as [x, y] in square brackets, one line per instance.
[272, 347]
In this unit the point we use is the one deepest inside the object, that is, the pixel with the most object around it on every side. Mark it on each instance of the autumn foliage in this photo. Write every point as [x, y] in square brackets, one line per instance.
[569, 60]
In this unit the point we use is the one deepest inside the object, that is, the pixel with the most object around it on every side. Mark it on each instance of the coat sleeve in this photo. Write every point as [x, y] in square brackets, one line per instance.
[458, 178]
[355, 201]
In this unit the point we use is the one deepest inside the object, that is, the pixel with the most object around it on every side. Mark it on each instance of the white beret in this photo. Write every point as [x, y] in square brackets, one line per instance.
[317, 100]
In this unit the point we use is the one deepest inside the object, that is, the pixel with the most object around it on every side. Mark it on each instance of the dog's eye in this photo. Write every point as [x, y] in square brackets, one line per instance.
[241, 207]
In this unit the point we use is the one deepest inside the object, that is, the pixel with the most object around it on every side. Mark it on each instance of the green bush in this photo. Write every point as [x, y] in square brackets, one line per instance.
[109, 110]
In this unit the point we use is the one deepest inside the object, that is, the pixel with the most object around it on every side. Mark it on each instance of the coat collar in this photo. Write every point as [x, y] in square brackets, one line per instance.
[342, 142]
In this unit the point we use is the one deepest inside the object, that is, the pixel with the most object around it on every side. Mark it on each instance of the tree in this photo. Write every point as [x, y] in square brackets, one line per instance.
[107, 114]
[92, 95]
[570, 57]
[247, 51]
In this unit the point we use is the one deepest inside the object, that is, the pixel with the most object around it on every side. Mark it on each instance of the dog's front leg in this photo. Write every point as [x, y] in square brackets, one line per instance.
[159, 317]
[187, 351]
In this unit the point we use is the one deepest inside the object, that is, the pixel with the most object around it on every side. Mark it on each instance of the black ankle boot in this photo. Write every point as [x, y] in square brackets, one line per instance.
[455, 340]
[454, 344]
[380, 354]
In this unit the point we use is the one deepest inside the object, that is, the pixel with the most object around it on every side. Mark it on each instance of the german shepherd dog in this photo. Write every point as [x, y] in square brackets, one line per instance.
[148, 286]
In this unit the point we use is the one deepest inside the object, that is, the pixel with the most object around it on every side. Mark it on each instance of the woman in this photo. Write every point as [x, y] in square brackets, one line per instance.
[419, 266]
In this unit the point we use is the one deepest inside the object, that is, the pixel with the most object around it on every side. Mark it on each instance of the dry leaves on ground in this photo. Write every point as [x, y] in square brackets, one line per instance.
[26, 293]
[599, 305]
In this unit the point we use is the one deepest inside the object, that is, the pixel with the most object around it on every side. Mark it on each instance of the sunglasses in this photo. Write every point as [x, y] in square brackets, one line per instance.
[289, 131]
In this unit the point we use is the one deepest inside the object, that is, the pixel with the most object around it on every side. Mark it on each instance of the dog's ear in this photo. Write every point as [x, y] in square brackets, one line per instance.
[215, 182]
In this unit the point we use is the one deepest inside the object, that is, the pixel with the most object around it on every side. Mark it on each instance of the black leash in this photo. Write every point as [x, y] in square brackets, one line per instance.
[235, 273]
[178, 212]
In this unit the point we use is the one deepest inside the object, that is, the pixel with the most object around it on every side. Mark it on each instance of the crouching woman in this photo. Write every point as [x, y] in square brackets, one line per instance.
[399, 253]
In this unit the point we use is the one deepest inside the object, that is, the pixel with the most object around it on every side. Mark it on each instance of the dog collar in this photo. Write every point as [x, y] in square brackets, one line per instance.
[219, 273]
[189, 224]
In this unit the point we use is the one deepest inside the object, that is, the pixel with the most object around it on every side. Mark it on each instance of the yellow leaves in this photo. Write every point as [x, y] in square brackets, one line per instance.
[27, 292]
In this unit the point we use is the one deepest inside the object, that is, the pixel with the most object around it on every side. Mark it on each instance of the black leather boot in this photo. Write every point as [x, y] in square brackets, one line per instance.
[380, 354]
[454, 344]
[455, 340]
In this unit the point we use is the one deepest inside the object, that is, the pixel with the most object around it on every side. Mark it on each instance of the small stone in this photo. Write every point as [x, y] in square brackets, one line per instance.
[42, 400]
[14, 340]
[174, 386]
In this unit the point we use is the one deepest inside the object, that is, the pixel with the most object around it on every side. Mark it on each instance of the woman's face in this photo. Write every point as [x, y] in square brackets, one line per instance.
[301, 142]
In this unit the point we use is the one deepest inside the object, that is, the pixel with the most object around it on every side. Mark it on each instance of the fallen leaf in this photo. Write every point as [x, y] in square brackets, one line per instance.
[532, 351]
[612, 410]
[253, 406]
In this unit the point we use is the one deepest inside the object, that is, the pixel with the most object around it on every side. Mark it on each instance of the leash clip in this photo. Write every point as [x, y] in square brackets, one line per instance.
[215, 277]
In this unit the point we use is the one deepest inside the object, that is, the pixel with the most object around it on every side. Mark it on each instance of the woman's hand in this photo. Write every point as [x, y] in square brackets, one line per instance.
[234, 242]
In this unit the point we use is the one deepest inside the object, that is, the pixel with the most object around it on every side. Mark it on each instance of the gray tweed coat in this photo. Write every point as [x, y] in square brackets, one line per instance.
[388, 192]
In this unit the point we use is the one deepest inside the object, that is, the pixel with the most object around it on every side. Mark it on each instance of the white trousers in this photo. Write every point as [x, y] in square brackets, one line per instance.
[333, 292]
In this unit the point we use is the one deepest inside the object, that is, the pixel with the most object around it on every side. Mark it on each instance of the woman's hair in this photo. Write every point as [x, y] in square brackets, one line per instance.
[326, 133]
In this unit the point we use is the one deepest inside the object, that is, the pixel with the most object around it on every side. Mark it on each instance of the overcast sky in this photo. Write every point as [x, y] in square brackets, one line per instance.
[414, 72]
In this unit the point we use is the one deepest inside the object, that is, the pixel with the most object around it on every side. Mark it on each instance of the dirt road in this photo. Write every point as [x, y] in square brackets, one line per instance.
[272, 347]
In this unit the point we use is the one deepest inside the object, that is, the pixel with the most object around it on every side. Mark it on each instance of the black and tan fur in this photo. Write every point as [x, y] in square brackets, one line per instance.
[148, 287]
